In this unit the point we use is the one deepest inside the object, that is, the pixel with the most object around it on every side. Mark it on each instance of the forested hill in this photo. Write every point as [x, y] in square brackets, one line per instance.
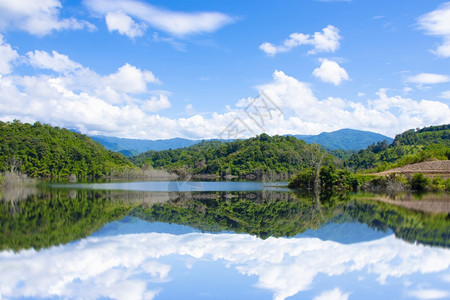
[44, 151]
[260, 155]
[412, 146]
[344, 139]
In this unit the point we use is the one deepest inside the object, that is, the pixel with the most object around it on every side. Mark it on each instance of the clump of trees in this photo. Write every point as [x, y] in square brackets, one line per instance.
[43, 151]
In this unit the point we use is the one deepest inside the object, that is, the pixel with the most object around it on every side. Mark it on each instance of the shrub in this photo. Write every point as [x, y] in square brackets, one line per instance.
[303, 180]
[419, 182]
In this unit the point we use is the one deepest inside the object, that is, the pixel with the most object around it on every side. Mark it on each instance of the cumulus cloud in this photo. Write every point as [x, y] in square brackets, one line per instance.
[7, 56]
[385, 114]
[124, 24]
[130, 79]
[37, 17]
[125, 104]
[437, 23]
[330, 71]
[428, 78]
[133, 265]
[175, 23]
[156, 103]
[325, 41]
[55, 61]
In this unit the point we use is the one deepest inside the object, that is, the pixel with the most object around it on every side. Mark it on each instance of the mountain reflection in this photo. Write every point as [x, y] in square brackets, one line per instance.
[48, 217]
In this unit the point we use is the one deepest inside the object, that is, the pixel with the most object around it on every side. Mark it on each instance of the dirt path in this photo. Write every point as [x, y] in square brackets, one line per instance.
[430, 168]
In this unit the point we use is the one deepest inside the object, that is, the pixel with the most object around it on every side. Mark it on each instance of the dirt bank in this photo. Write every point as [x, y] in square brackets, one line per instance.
[429, 168]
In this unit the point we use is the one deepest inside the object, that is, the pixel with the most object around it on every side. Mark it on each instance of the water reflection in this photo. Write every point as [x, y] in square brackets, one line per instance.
[58, 216]
[142, 266]
[90, 244]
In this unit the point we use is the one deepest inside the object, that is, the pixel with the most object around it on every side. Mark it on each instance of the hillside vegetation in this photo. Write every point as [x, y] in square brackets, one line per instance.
[417, 150]
[255, 157]
[412, 146]
[50, 152]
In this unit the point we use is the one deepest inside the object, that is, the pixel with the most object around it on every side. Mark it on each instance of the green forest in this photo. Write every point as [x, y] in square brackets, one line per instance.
[43, 151]
[255, 157]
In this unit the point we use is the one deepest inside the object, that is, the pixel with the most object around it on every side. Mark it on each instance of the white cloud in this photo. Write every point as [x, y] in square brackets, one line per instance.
[130, 79]
[124, 104]
[429, 294]
[325, 41]
[7, 56]
[55, 61]
[156, 104]
[124, 24]
[437, 23]
[428, 78]
[133, 265]
[330, 71]
[445, 95]
[335, 294]
[303, 112]
[36, 17]
[175, 23]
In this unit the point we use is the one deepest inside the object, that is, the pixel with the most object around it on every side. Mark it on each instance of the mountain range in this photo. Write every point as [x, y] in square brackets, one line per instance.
[344, 139]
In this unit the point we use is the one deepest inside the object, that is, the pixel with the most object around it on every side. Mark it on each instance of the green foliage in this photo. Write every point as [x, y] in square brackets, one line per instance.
[332, 179]
[409, 225]
[256, 156]
[50, 152]
[263, 215]
[53, 217]
[56, 217]
[410, 147]
[281, 214]
[438, 184]
[304, 180]
[419, 182]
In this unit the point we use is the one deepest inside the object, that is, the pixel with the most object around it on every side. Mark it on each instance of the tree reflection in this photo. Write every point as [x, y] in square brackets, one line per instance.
[47, 217]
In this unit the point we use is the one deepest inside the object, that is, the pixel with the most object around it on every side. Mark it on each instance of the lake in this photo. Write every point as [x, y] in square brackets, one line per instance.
[221, 240]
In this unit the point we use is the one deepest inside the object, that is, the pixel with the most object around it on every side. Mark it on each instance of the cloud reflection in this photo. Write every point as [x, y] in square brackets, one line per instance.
[129, 266]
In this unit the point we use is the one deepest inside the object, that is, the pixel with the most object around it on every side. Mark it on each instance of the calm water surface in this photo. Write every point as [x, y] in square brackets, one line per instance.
[182, 186]
[215, 240]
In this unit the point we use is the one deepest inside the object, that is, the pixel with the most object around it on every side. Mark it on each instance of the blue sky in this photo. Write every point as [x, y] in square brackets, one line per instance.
[205, 69]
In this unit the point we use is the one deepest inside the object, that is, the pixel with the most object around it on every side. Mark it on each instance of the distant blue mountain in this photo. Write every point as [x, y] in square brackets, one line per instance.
[344, 139]
[130, 147]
